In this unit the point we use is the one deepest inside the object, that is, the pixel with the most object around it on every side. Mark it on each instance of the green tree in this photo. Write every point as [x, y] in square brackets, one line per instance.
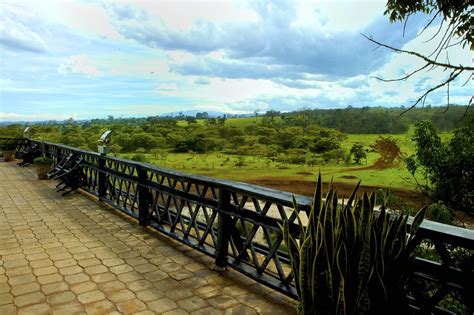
[448, 168]
[358, 153]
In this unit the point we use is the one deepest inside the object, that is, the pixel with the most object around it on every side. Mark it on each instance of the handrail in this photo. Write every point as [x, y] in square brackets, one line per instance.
[457, 234]
[237, 223]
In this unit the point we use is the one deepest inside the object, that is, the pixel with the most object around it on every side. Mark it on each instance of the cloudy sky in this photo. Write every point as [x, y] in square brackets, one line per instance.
[86, 59]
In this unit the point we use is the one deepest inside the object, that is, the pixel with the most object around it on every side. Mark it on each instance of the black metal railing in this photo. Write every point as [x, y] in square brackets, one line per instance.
[238, 225]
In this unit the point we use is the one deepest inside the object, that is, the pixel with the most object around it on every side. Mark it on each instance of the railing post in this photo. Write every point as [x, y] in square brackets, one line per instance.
[224, 228]
[102, 178]
[143, 196]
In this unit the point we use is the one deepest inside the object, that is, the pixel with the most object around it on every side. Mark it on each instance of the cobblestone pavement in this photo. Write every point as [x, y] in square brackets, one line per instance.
[73, 255]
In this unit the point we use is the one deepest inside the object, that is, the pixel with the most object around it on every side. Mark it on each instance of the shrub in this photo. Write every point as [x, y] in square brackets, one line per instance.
[43, 160]
[347, 261]
[139, 158]
[440, 213]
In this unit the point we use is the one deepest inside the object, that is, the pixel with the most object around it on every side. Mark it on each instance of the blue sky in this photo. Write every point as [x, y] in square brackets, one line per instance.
[87, 59]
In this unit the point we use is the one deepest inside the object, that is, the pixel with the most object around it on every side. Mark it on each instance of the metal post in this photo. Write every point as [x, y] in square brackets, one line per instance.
[224, 229]
[102, 178]
[143, 196]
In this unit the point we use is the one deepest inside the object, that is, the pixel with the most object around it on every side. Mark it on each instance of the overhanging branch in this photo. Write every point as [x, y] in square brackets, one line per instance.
[413, 53]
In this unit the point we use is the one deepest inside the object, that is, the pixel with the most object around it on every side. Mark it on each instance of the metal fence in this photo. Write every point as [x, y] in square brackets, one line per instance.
[238, 225]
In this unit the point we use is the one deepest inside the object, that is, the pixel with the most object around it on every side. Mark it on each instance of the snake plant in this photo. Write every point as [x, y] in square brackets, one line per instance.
[347, 259]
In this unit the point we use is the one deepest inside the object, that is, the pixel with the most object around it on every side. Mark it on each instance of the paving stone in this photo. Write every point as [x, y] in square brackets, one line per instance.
[100, 307]
[38, 256]
[6, 298]
[41, 263]
[83, 287]
[62, 297]
[240, 310]
[149, 295]
[60, 256]
[222, 301]
[45, 271]
[37, 309]
[91, 296]
[145, 268]
[178, 293]
[96, 269]
[4, 288]
[112, 286]
[131, 306]
[104, 277]
[192, 303]
[77, 278]
[65, 263]
[234, 290]
[54, 287]
[130, 276]
[73, 307]
[17, 280]
[139, 285]
[71, 270]
[208, 311]
[162, 305]
[7, 309]
[30, 298]
[181, 274]
[11, 257]
[84, 256]
[166, 284]
[208, 291]
[169, 267]
[111, 262]
[176, 311]
[50, 279]
[18, 271]
[25, 288]
[120, 296]
[155, 275]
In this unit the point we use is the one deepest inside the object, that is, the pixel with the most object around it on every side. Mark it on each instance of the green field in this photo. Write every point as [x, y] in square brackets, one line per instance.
[223, 165]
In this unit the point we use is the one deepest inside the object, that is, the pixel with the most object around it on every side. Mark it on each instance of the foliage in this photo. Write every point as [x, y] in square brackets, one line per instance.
[389, 151]
[456, 13]
[139, 158]
[348, 261]
[448, 168]
[440, 213]
[358, 153]
[43, 160]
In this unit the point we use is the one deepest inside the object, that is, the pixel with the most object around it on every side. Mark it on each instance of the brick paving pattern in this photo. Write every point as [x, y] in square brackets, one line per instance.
[74, 255]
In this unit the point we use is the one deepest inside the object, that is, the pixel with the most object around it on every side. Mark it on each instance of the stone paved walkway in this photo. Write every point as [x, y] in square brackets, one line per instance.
[73, 255]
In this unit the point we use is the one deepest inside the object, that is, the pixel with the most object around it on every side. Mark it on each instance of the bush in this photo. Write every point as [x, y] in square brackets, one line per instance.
[139, 158]
[43, 160]
[440, 213]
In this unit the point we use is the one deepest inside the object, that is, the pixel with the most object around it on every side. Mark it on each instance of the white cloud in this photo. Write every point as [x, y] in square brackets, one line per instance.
[16, 36]
[79, 64]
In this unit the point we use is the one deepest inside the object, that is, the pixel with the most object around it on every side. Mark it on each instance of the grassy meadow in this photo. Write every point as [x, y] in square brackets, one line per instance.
[221, 165]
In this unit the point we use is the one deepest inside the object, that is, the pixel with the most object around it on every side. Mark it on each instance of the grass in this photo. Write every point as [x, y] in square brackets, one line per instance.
[221, 165]
[224, 166]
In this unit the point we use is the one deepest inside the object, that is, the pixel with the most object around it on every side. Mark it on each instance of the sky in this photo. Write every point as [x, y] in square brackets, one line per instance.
[91, 59]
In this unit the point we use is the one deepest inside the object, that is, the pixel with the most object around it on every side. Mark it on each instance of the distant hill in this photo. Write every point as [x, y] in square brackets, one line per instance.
[193, 113]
